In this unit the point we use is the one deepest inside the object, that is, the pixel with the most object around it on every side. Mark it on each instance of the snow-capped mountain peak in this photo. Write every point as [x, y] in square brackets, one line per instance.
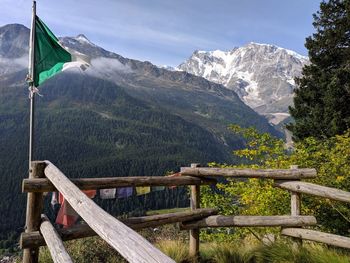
[261, 74]
[84, 40]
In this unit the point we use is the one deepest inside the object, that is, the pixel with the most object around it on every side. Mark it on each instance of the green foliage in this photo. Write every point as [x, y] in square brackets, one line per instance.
[331, 159]
[322, 98]
[260, 148]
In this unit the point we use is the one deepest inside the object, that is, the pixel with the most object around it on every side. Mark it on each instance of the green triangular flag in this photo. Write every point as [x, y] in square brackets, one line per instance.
[50, 57]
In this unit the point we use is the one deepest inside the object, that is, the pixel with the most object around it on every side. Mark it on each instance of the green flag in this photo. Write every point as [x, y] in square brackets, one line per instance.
[50, 57]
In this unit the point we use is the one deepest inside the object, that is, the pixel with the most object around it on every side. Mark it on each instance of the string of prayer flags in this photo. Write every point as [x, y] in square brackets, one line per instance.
[124, 192]
[108, 193]
[142, 190]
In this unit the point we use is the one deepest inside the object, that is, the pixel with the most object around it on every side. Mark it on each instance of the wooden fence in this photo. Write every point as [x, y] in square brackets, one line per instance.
[121, 235]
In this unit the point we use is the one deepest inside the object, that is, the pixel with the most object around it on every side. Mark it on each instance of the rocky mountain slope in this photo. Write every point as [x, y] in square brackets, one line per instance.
[261, 74]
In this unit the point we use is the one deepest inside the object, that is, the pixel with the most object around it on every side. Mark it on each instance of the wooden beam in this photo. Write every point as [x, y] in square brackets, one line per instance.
[330, 239]
[132, 246]
[44, 185]
[295, 206]
[34, 210]
[170, 218]
[250, 221]
[295, 199]
[316, 190]
[194, 233]
[284, 174]
[34, 239]
[54, 243]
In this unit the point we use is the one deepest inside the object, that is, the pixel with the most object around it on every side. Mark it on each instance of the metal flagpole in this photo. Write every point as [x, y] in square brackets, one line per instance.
[31, 255]
[31, 85]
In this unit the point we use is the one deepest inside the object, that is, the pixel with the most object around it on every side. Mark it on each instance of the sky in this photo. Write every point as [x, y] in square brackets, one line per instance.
[167, 32]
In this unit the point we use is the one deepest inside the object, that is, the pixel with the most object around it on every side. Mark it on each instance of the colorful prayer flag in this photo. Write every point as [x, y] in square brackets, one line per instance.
[90, 193]
[124, 192]
[66, 215]
[142, 190]
[108, 193]
[157, 188]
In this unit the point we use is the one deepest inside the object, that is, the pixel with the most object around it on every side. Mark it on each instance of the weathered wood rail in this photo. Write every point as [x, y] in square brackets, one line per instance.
[120, 234]
[282, 174]
[312, 235]
[39, 185]
[251, 221]
[54, 242]
[315, 190]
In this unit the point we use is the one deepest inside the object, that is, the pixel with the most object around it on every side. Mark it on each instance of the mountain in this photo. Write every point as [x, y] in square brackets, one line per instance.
[14, 41]
[208, 104]
[262, 75]
[120, 117]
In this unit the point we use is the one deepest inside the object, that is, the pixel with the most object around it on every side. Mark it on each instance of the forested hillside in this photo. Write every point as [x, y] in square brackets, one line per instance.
[90, 128]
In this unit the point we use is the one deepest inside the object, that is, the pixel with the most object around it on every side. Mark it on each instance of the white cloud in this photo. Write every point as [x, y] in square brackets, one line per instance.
[13, 65]
[107, 67]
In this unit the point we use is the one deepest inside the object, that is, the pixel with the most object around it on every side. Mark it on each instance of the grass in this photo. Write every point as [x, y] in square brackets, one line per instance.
[177, 250]
[248, 252]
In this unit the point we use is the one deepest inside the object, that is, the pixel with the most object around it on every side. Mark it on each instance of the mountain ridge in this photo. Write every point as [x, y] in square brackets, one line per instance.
[261, 74]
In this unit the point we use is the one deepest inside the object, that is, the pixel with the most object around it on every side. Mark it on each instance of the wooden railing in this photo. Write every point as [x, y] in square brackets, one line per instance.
[121, 235]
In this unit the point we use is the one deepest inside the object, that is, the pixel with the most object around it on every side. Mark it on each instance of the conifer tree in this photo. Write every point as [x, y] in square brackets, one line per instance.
[322, 99]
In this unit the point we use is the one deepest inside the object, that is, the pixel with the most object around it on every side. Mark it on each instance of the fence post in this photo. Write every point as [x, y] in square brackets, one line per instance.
[295, 199]
[295, 204]
[194, 233]
[34, 210]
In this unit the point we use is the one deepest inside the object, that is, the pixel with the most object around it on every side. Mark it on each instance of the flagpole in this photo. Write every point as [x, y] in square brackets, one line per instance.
[31, 255]
[31, 86]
